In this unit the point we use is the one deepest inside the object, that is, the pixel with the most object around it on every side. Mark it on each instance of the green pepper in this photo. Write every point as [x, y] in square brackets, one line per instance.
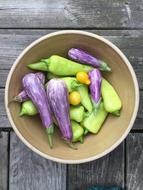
[51, 76]
[112, 102]
[77, 113]
[95, 120]
[77, 131]
[85, 98]
[28, 108]
[60, 66]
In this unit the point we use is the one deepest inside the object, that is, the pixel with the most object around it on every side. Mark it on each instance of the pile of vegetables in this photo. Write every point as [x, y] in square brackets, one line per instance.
[75, 97]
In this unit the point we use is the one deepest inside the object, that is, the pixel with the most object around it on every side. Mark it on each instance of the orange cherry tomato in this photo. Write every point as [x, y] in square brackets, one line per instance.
[74, 98]
[83, 77]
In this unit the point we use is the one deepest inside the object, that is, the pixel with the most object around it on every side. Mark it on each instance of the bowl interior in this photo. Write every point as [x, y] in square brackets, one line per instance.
[114, 127]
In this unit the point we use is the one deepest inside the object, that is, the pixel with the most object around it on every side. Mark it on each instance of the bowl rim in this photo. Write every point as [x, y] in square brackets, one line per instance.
[134, 114]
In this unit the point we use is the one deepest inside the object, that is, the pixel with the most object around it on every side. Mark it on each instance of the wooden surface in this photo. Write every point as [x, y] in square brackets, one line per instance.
[3, 160]
[105, 171]
[21, 22]
[28, 169]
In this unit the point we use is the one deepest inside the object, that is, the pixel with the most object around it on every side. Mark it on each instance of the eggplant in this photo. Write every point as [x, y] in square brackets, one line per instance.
[58, 97]
[95, 86]
[84, 57]
[36, 92]
[22, 96]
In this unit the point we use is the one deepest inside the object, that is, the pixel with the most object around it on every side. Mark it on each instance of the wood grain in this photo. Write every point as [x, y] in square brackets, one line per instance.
[30, 171]
[4, 160]
[130, 42]
[134, 161]
[71, 14]
[106, 171]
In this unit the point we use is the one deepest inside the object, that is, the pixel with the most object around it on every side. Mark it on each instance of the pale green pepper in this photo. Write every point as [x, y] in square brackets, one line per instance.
[94, 121]
[28, 108]
[112, 102]
[77, 131]
[77, 113]
[60, 66]
[85, 98]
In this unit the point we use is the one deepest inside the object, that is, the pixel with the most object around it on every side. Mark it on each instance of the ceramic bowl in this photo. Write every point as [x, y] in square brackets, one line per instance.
[122, 77]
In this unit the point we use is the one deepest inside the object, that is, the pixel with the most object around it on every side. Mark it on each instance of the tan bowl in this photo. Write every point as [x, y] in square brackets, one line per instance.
[122, 77]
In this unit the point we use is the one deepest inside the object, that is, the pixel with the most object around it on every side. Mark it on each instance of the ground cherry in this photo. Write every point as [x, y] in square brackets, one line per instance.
[74, 98]
[83, 77]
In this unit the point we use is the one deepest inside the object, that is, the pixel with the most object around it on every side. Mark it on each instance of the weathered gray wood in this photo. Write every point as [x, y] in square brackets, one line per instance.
[107, 171]
[30, 171]
[14, 41]
[3, 160]
[71, 13]
[135, 162]
[4, 123]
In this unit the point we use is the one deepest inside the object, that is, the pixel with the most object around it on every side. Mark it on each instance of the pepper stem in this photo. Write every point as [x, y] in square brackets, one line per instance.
[50, 131]
[85, 132]
[75, 85]
[70, 144]
[81, 139]
[116, 113]
[23, 112]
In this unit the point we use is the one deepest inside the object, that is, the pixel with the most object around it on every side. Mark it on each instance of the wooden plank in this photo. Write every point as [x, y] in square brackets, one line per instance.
[71, 14]
[135, 161]
[4, 123]
[107, 171]
[30, 171]
[4, 160]
[14, 41]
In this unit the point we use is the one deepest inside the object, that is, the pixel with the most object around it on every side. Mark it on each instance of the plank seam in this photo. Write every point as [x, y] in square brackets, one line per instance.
[67, 177]
[71, 28]
[125, 162]
[8, 161]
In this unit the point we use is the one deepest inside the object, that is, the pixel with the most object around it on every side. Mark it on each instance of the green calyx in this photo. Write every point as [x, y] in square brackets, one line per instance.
[104, 66]
[70, 144]
[50, 132]
[75, 84]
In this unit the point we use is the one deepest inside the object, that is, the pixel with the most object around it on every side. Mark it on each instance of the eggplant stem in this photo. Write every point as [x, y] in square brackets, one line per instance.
[70, 144]
[50, 131]
[11, 101]
[15, 99]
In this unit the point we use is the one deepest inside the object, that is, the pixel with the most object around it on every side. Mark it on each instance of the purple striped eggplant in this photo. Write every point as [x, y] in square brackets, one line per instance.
[84, 57]
[58, 97]
[36, 92]
[95, 86]
[22, 96]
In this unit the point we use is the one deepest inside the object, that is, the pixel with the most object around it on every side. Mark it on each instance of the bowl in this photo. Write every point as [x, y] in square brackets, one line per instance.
[122, 77]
